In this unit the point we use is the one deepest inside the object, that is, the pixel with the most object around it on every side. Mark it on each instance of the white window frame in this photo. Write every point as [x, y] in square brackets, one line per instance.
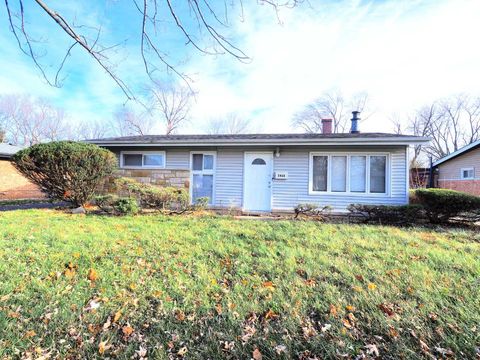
[472, 169]
[367, 174]
[132, 152]
[203, 172]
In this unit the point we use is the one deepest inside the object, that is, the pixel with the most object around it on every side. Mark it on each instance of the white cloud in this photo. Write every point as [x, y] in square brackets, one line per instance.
[402, 53]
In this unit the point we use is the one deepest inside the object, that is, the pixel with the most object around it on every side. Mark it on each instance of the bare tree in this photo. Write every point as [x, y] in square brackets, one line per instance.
[331, 105]
[95, 129]
[128, 121]
[230, 124]
[3, 136]
[171, 104]
[202, 23]
[451, 123]
[30, 121]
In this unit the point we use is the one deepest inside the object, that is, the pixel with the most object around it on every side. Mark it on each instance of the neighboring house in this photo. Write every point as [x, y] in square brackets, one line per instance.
[273, 172]
[460, 170]
[13, 185]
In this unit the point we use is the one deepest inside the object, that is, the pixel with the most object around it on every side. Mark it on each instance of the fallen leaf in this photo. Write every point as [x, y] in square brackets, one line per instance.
[30, 333]
[117, 316]
[182, 351]
[127, 330]
[393, 332]
[423, 346]
[280, 349]
[107, 323]
[268, 285]
[333, 310]
[372, 286]
[350, 308]
[270, 315]
[92, 275]
[142, 351]
[326, 327]
[102, 347]
[387, 309]
[372, 350]
[180, 315]
[257, 355]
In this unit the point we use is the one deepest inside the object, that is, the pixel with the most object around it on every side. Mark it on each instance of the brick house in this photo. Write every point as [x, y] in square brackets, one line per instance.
[13, 185]
[460, 170]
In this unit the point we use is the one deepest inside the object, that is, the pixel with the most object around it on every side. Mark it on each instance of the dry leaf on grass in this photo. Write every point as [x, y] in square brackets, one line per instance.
[257, 355]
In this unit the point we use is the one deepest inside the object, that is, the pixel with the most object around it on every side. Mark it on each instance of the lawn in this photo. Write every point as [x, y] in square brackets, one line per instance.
[198, 287]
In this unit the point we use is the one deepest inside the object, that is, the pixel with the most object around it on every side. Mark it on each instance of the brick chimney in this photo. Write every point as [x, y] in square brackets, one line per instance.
[327, 126]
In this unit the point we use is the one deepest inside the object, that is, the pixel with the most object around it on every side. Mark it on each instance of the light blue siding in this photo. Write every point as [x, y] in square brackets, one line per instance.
[229, 178]
[178, 159]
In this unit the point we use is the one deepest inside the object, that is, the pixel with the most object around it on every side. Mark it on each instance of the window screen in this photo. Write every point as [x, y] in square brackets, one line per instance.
[320, 172]
[358, 171]
[378, 167]
[339, 173]
[132, 159]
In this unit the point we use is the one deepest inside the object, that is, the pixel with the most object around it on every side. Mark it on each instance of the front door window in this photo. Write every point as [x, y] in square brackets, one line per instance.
[203, 165]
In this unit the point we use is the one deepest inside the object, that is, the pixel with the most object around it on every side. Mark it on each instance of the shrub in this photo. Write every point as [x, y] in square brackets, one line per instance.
[153, 197]
[312, 210]
[113, 204]
[442, 205]
[201, 203]
[388, 215]
[66, 170]
[126, 205]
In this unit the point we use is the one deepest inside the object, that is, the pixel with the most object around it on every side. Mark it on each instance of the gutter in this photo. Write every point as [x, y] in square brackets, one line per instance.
[275, 142]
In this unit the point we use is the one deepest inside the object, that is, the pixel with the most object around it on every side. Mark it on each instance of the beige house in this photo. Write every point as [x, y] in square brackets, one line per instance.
[460, 170]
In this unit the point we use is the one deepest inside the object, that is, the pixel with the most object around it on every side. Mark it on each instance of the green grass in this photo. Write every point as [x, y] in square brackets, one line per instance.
[215, 287]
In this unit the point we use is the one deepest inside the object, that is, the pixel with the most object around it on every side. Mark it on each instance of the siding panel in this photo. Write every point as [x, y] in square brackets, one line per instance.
[229, 178]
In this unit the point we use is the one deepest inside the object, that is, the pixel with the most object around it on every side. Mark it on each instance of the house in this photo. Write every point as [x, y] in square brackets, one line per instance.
[273, 172]
[13, 185]
[460, 170]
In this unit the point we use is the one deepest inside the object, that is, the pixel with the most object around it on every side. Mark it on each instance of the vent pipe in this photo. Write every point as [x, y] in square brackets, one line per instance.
[355, 120]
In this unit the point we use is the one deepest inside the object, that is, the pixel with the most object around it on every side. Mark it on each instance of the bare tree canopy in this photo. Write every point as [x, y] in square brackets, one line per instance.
[451, 123]
[202, 24]
[128, 121]
[231, 124]
[171, 105]
[330, 105]
[29, 121]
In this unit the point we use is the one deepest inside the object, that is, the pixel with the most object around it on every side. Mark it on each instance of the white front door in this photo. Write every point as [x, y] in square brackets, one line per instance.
[258, 181]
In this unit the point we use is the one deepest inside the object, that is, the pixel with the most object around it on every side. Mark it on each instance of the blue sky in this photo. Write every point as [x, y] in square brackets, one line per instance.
[403, 53]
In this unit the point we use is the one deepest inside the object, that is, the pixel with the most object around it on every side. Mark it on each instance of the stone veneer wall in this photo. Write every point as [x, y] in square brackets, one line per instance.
[159, 177]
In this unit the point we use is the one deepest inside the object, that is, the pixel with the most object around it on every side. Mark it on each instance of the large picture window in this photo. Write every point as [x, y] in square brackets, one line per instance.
[348, 173]
[203, 167]
[143, 159]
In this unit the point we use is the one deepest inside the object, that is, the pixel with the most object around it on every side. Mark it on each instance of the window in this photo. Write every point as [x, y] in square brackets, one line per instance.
[378, 167]
[320, 173]
[467, 174]
[339, 173]
[349, 174]
[146, 159]
[259, 161]
[203, 165]
[358, 174]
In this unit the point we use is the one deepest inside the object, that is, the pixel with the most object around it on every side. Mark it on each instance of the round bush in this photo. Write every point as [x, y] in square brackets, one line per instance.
[66, 170]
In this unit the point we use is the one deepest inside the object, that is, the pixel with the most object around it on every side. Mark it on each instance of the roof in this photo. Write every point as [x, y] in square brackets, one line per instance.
[7, 150]
[459, 152]
[261, 139]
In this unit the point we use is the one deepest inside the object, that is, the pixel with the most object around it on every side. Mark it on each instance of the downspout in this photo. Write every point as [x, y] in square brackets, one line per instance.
[430, 174]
